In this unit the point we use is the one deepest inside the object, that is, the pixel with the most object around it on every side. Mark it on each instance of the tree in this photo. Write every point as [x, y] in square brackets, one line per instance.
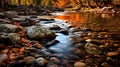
[38, 2]
[81, 4]
[90, 5]
[19, 2]
[2, 3]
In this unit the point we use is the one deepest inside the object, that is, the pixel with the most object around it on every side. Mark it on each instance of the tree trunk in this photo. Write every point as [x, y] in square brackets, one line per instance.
[81, 4]
[38, 2]
[19, 3]
[2, 4]
[97, 1]
[90, 5]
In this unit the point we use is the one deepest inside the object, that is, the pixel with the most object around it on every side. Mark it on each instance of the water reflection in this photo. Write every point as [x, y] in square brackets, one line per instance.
[90, 20]
[110, 21]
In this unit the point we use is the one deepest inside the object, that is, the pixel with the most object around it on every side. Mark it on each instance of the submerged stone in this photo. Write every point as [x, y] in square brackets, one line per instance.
[52, 43]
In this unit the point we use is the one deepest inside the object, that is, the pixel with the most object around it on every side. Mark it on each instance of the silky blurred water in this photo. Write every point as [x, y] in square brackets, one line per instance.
[90, 20]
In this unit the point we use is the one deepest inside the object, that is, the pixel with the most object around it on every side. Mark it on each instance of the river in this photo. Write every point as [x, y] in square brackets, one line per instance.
[84, 20]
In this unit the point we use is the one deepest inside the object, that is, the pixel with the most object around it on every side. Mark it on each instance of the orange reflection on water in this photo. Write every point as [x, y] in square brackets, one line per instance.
[61, 3]
[74, 18]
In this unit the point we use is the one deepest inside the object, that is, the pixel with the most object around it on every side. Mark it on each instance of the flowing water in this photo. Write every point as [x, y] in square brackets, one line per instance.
[89, 20]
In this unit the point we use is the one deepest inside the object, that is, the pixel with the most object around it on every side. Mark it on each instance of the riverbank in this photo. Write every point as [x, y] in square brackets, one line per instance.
[104, 10]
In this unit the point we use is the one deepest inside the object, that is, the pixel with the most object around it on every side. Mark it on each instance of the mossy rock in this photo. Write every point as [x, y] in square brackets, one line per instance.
[38, 32]
[9, 28]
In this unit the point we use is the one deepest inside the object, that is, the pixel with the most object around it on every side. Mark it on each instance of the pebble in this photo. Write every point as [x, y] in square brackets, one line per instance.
[55, 60]
[79, 64]
[112, 53]
[29, 59]
[3, 57]
[41, 61]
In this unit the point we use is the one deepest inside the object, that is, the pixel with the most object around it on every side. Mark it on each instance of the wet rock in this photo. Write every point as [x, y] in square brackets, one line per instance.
[77, 39]
[9, 39]
[95, 41]
[105, 64]
[55, 60]
[29, 60]
[79, 45]
[9, 28]
[92, 49]
[14, 38]
[5, 51]
[38, 32]
[86, 29]
[2, 45]
[57, 55]
[17, 64]
[5, 21]
[52, 43]
[10, 14]
[112, 53]
[41, 61]
[112, 61]
[33, 16]
[44, 19]
[32, 49]
[116, 45]
[52, 27]
[72, 30]
[3, 57]
[51, 64]
[2, 15]
[28, 22]
[118, 49]
[79, 64]
[64, 31]
[80, 52]
[65, 61]
[12, 57]
[37, 45]
[55, 27]
[99, 59]
[73, 58]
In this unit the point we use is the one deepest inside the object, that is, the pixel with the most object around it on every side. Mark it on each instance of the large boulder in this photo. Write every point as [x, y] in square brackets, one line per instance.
[38, 32]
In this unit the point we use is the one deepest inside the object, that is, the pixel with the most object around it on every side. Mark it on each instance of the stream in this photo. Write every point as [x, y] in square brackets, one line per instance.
[82, 20]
